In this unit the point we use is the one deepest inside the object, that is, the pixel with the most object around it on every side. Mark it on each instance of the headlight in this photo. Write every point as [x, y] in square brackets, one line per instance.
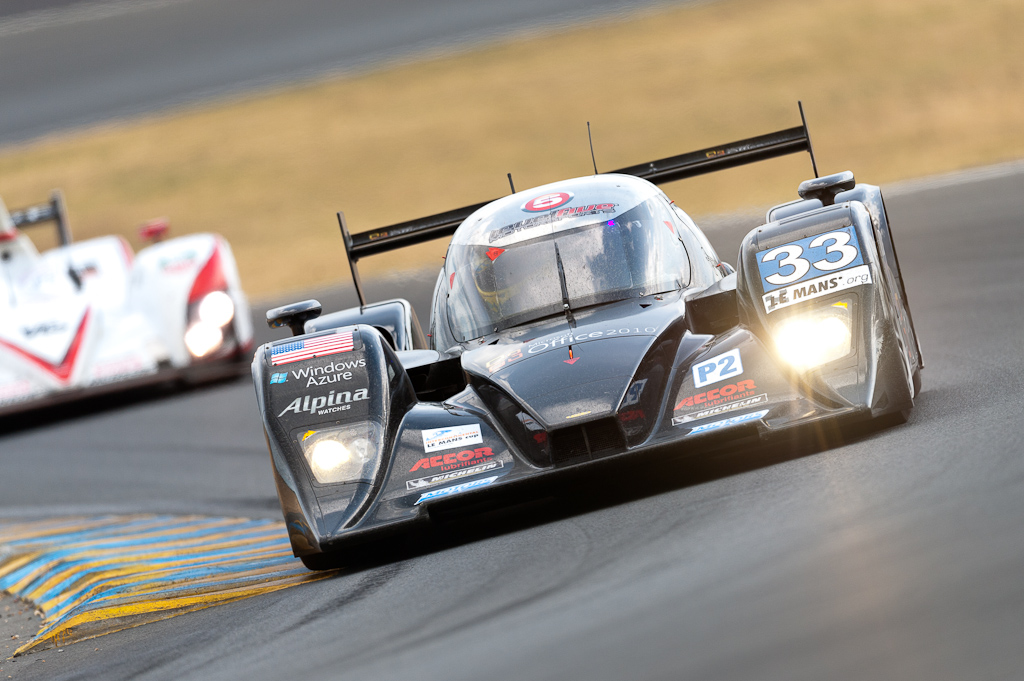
[814, 338]
[345, 454]
[216, 308]
[201, 338]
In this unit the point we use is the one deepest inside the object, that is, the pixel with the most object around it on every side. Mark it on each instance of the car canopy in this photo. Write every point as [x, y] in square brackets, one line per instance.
[567, 246]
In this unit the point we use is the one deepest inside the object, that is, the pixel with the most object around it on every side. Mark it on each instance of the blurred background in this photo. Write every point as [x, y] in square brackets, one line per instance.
[259, 119]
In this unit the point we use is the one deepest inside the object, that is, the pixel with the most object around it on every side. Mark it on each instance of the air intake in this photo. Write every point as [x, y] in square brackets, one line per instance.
[586, 441]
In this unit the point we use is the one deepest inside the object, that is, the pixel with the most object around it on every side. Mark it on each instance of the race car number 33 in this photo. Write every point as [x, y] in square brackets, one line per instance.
[809, 258]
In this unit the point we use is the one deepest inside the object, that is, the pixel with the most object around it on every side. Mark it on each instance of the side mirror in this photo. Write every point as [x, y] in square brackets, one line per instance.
[715, 309]
[154, 230]
[825, 188]
[294, 316]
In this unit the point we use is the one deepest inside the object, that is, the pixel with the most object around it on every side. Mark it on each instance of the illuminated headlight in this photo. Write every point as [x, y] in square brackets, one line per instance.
[201, 338]
[816, 337]
[216, 308]
[346, 454]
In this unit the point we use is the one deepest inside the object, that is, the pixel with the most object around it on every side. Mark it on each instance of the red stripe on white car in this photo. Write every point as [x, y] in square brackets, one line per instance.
[62, 371]
[210, 277]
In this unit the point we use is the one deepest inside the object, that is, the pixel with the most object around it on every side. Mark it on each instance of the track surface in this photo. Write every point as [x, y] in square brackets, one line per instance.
[65, 63]
[896, 555]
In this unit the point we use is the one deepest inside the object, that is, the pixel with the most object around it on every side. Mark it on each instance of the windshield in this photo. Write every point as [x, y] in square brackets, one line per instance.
[26, 278]
[634, 254]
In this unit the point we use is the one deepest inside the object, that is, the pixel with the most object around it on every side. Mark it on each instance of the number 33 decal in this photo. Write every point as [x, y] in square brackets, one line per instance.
[791, 257]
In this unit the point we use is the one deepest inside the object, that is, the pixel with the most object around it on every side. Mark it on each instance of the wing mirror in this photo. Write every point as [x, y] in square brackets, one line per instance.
[714, 310]
[825, 188]
[155, 230]
[294, 316]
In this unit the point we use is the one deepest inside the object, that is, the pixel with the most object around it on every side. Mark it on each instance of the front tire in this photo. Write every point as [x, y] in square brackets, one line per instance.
[319, 562]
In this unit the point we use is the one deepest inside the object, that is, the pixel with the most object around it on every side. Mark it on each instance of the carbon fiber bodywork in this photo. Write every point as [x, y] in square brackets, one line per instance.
[653, 375]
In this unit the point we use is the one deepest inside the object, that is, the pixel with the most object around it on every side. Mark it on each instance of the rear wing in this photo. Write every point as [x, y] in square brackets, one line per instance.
[709, 160]
[53, 210]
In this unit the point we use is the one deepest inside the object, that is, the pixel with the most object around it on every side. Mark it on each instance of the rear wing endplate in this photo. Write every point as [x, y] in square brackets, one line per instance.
[53, 210]
[709, 160]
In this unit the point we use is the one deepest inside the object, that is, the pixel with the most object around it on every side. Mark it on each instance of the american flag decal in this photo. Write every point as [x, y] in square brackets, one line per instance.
[321, 346]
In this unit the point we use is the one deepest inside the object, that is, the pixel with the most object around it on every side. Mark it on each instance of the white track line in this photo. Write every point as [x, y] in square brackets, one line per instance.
[62, 16]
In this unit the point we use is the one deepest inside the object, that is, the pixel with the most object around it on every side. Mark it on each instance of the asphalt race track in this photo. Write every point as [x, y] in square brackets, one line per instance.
[897, 555]
[66, 63]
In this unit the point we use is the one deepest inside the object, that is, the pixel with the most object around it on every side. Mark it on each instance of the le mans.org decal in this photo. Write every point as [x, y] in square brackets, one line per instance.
[815, 288]
[717, 396]
[447, 491]
[431, 480]
[436, 439]
[810, 258]
[718, 368]
[308, 348]
[725, 423]
[546, 202]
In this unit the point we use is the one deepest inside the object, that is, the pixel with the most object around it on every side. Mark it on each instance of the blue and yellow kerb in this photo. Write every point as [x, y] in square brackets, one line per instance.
[94, 576]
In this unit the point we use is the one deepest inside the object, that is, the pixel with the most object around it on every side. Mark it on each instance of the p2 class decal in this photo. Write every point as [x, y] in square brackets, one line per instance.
[725, 423]
[810, 258]
[546, 202]
[457, 489]
[815, 288]
[718, 368]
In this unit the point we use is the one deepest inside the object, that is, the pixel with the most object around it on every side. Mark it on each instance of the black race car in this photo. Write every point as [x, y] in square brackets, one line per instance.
[581, 321]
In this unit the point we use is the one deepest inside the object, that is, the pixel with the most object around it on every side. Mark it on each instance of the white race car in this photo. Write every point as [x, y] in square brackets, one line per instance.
[94, 316]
